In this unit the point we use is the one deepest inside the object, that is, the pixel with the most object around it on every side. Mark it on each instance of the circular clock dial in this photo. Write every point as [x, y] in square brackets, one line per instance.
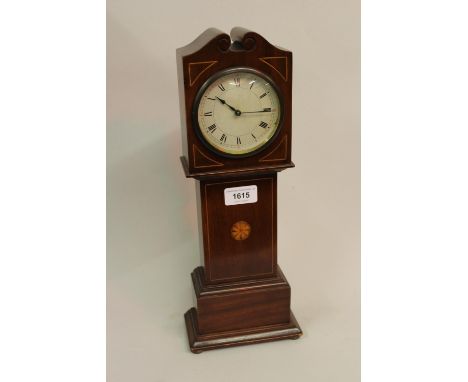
[238, 112]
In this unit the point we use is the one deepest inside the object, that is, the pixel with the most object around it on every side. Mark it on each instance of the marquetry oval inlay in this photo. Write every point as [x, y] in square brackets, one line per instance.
[240, 230]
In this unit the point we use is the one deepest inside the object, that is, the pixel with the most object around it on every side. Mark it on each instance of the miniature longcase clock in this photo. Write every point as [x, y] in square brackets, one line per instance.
[235, 102]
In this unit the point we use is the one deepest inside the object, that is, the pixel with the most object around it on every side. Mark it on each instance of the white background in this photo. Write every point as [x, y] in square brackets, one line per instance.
[52, 273]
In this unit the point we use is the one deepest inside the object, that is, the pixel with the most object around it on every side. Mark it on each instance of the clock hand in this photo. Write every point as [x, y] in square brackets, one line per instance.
[266, 110]
[237, 112]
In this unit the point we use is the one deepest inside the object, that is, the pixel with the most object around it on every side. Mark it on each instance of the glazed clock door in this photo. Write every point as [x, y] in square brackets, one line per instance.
[238, 112]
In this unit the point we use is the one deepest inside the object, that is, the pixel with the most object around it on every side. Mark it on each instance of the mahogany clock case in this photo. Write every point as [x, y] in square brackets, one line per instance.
[240, 294]
[204, 59]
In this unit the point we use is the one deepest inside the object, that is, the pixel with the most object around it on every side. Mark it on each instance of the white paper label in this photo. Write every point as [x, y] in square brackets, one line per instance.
[240, 195]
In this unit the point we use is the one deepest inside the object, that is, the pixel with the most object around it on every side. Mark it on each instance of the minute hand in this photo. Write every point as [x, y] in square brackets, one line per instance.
[266, 110]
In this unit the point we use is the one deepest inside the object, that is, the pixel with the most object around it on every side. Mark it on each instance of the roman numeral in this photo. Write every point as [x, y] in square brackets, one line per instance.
[263, 124]
[221, 87]
[237, 81]
[213, 99]
[223, 138]
[254, 137]
[208, 114]
[238, 141]
[263, 95]
[212, 128]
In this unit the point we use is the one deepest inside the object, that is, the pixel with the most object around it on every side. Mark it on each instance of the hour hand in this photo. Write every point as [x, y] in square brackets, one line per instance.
[238, 112]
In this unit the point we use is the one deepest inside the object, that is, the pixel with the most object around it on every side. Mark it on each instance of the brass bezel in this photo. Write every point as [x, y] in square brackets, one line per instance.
[200, 94]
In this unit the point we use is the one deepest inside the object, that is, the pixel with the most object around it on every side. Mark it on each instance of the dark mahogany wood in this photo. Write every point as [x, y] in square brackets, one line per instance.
[241, 296]
[226, 259]
[210, 53]
[201, 342]
[240, 313]
[241, 305]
